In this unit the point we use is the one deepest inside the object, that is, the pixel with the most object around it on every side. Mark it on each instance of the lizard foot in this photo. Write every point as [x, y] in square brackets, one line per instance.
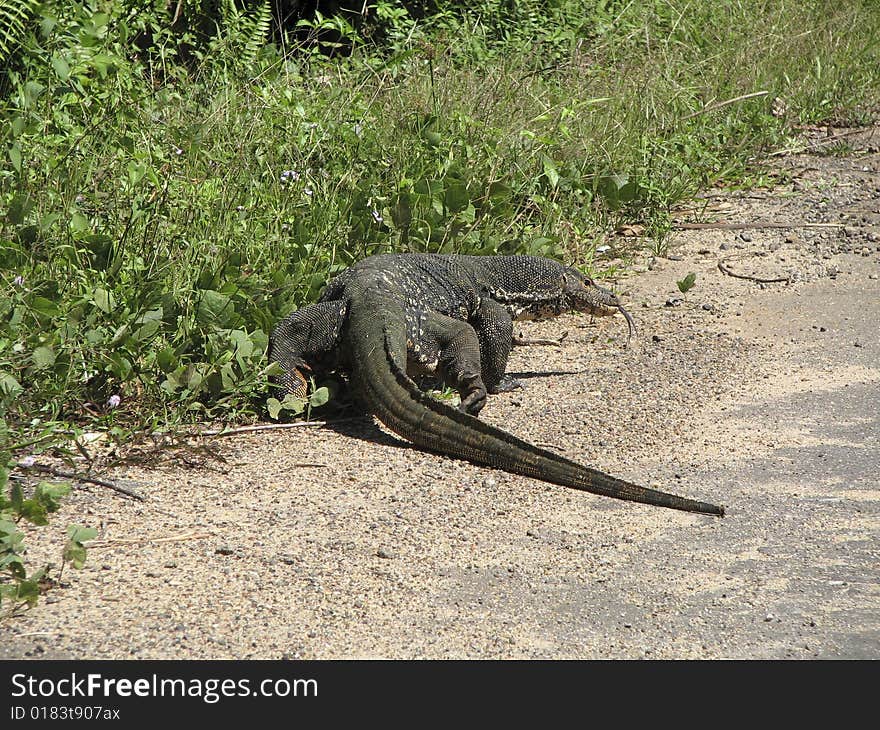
[506, 385]
[473, 400]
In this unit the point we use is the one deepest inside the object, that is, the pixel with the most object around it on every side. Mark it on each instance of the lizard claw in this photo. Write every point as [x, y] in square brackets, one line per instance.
[473, 401]
[506, 385]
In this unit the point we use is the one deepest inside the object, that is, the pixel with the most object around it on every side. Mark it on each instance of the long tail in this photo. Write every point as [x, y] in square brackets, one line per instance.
[390, 394]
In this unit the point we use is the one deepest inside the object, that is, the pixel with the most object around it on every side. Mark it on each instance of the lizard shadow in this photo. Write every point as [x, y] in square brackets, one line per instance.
[360, 425]
[529, 374]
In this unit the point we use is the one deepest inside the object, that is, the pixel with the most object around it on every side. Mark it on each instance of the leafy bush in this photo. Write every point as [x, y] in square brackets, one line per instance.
[175, 185]
[18, 586]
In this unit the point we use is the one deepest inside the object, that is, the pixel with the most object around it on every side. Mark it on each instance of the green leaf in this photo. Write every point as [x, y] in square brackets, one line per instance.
[456, 197]
[147, 331]
[274, 407]
[9, 386]
[136, 172]
[75, 551]
[9, 534]
[319, 397]
[550, 171]
[44, 306]
[104, 300]
[426, 186]
[244, 348]
[15, 156]
[214, 308]
[78, 533]
[27, 590]
[34, 512]
[43, 357]
[12, 562]
[62, 69]
[49, 494]
[167, 360]
[687, 283]
[78, 222]
[434, 139]
[75, 555]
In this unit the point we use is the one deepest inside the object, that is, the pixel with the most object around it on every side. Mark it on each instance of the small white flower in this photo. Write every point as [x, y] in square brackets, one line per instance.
[289, 176]
[113, 401]
[178, 151]
[27, 462]
[308, 191]
[377, 216]
[18, 280]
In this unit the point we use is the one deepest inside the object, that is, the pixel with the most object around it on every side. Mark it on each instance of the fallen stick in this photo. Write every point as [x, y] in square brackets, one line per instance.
[46, 469]
[139, 540]
[521, 341]
[759, 279]
[268, 427]
[756, 225]
[721, 104]
[263, 427]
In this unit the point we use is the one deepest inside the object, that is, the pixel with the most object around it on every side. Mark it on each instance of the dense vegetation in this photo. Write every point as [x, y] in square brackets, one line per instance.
[175, 176]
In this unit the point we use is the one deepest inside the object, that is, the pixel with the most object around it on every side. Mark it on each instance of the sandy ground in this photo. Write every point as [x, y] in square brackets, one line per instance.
[345, 543]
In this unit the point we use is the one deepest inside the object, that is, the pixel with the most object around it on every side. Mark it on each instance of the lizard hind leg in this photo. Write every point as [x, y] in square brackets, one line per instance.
[305, 341]
[448, 347]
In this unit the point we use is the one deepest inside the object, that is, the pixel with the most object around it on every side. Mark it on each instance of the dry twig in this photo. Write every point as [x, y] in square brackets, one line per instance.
[46, 469]
[760, 279]
[749, 226]
[150, 538]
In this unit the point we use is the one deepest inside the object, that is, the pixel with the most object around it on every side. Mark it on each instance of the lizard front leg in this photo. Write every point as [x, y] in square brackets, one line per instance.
[494, 329]
[304, 342]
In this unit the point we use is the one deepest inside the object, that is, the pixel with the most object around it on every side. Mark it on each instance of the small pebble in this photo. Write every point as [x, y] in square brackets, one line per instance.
[385, 553]
[746, 237]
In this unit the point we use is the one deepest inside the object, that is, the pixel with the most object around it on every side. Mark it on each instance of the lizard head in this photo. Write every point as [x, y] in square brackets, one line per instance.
[582, 294]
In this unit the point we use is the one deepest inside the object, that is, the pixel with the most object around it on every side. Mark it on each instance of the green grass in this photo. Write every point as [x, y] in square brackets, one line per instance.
[157, 217]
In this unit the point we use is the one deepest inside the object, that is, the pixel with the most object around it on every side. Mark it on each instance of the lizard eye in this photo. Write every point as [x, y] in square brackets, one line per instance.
[575, 280]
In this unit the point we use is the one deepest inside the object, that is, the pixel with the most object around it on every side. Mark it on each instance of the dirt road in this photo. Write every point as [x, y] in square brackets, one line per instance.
[342, 543]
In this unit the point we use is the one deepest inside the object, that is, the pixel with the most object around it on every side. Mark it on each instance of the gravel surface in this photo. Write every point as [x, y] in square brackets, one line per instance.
[343, 542]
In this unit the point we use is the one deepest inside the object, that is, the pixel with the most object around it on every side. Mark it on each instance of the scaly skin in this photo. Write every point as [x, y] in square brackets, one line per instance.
[372, 327]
